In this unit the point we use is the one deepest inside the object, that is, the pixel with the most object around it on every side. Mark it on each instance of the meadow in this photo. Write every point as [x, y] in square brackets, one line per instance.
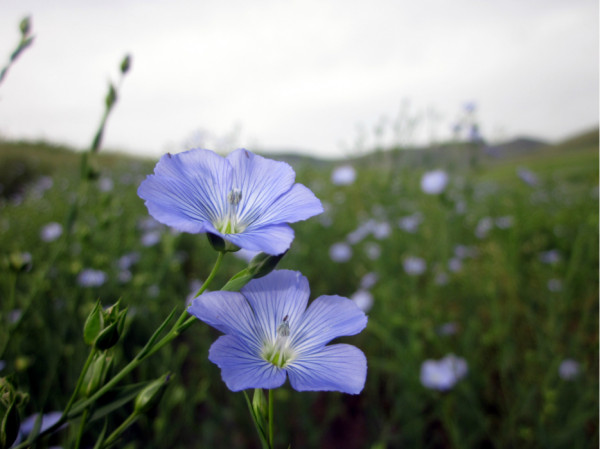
[498, 268]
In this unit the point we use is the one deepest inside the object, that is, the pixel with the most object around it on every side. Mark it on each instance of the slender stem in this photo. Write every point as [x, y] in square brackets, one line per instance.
[81, 427]
[79, 381]
[271, 418]
[211, 275]
[124, 425]
[180, 325]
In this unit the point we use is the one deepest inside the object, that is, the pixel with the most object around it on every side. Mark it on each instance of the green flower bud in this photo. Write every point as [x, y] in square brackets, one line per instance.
[260, 411]
[151, 394]
[96, 374]
[93, 324]
[262, 264]
[25, 26]
[126, 64]
[111, 96]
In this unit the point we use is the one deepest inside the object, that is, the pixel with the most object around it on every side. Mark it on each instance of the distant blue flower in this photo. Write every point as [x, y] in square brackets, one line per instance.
[434, 182]
[569, 369]
[340, 252]
[91, 278]
[443, 374]
[343, 175]
[270, 334]
[414, 266]
[244, 198]
[51, 231]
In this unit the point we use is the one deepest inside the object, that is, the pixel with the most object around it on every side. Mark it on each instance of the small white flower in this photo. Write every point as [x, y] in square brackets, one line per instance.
[434, 182]
[343, 175]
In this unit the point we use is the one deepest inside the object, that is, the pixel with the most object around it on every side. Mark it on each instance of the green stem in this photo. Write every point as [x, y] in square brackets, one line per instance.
[124, 425]
[271, 418]
[211, 275]
[150, 348]
[79, 381]
[81, 427]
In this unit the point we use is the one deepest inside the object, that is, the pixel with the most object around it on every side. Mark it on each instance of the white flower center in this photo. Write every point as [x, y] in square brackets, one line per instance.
[230, 224]
[279, 352]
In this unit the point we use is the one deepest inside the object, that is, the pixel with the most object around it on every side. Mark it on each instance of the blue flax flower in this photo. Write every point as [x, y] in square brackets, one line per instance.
[270, 334]
[244, 198]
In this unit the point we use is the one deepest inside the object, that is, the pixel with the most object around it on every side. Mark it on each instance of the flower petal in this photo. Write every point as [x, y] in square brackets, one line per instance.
[261, 181]
[188, 189]
[328, 317]
[280, 293]
[230, 313]
[272, 239]
[299, 203]
[338, 367]
[241, 368]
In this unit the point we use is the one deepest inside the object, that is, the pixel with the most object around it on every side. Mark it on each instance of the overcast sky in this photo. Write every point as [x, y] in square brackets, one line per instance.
[311, 75]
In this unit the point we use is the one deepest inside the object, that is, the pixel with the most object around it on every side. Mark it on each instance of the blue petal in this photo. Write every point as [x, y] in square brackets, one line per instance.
[328, 317]
[241, 368]
[230, 313]
[261, 181]
[338, 367]
[188, 189]
[280, 293]
[299, 203]
[273, 239]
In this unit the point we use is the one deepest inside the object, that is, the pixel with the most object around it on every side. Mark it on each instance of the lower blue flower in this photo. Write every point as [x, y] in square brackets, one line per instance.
[270, 334]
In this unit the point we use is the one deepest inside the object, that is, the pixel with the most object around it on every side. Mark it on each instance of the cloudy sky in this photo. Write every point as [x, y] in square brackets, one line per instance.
[313, 75]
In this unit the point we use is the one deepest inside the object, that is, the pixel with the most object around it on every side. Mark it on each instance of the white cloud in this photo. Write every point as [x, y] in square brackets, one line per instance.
[299, 74]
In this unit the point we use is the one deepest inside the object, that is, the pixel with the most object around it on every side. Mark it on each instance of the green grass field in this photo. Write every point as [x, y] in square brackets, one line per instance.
[510, 285]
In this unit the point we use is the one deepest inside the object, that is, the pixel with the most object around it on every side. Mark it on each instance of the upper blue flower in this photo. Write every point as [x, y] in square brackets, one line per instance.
[243, 198]
[270, 333]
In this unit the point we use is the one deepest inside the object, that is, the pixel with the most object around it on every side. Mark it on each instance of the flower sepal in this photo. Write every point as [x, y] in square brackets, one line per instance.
[221, 245]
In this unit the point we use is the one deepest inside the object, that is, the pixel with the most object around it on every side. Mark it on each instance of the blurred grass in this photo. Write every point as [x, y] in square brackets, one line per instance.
[512, 330]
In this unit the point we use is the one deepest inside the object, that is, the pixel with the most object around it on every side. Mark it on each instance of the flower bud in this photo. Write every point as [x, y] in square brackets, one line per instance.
[25, 26]
[260, 411]
[126, 64]
[262, 264]
[111, 334]
[96, 373]
[93, 324]
[151, 394]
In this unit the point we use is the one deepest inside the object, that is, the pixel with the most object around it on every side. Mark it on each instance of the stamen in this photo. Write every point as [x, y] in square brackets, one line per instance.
[279, 352]
[234, 196]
